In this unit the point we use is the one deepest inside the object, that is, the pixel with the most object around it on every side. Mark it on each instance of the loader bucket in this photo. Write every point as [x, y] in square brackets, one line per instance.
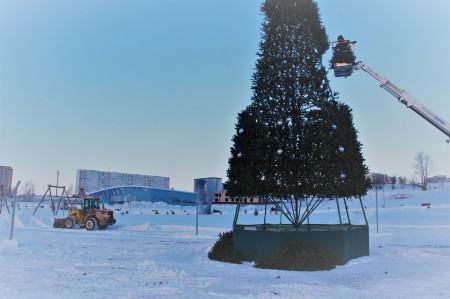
[58, 222]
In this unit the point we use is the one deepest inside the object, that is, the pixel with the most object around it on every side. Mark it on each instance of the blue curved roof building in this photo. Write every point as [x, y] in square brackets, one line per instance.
[122, 194]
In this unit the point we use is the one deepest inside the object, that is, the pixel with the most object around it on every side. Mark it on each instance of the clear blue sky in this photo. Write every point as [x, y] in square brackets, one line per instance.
[154, 87]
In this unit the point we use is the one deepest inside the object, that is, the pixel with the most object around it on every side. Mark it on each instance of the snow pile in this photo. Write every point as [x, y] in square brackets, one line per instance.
[9, 246]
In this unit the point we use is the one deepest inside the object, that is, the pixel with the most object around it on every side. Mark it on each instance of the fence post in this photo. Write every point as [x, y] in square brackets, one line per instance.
[14, 210]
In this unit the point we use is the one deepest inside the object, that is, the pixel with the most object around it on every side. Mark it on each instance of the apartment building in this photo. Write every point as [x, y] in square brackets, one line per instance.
[6, 173]
[94, 180]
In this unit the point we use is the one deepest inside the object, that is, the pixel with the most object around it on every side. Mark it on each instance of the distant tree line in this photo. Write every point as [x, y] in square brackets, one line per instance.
[423, 167]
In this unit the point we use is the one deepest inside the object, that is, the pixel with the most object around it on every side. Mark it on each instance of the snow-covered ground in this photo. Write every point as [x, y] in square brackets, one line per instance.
[148, 255]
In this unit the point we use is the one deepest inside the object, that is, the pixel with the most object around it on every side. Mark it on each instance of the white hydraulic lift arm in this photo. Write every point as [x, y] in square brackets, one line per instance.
[410, 102]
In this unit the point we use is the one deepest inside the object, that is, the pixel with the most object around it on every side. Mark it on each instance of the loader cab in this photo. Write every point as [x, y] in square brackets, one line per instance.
[343, 58]
[91, 203]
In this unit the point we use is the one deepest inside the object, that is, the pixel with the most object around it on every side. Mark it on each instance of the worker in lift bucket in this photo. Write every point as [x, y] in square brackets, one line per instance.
[341, 41]
[342, 52]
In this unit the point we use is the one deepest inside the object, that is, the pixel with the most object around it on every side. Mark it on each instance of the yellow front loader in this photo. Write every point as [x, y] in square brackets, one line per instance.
[90, 216]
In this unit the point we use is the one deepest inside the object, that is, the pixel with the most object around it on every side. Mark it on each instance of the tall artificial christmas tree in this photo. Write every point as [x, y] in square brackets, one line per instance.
[295, 144]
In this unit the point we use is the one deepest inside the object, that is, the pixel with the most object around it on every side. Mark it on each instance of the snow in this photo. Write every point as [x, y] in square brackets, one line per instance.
[148, 255]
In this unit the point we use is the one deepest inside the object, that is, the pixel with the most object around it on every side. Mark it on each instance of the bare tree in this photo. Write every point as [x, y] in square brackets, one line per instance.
[393, 181]
[412, 182]
[402, 181]
[69, 190]
[423, 166]
[28, 191]
[377, 183]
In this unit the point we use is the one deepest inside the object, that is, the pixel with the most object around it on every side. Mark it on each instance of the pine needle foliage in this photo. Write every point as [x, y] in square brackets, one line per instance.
[223, 250]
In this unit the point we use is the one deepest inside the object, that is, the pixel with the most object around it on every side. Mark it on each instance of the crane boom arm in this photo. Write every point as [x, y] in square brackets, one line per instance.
[408, 100]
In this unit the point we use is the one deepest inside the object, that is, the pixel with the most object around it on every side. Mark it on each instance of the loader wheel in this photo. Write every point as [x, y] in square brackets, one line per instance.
[69, 222]
[91, 223]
